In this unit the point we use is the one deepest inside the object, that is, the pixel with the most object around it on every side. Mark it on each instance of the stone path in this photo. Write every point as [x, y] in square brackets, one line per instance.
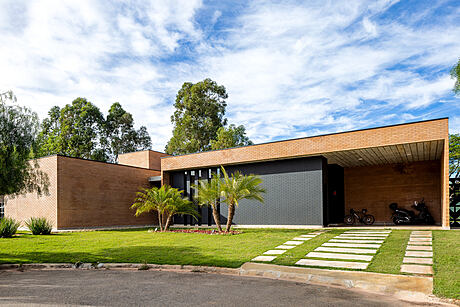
[359, 247]
[281, 249]
[419, 254]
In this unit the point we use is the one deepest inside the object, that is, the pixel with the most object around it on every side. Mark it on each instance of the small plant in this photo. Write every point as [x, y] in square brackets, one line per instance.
[39, 226]
[144, 266]
[8, 227]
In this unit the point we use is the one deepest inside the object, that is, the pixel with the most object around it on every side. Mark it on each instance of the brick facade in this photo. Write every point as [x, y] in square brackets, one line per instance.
[146, 159]
[375, 187]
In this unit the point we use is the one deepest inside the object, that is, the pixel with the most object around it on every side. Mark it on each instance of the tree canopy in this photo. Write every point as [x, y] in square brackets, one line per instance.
[455, 74]
[230, 136]
[18, 144]
[454, 155]
[80, 130]
[200, 110]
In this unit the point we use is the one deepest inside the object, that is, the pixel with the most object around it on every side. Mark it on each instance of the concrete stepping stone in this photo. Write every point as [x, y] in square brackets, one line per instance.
[264, 258]
[421, 236]
[346, 250]
[418, 260]
[355, 241]
[301, 239]
[359, 238]
[419, 243]
[285, 246]
[419, 232]
[333, 264]
[308, 236]
[351, 245]
[364, 235]
[419, 248]
[275, 252]
[369, 232]
[420, 240]
[339, 256]
[418, 254]
[417, 269]
[293, 242]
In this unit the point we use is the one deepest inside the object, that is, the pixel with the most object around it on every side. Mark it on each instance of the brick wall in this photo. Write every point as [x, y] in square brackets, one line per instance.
[30, 205]
[146, 159]
[99, 194]
[375, 187]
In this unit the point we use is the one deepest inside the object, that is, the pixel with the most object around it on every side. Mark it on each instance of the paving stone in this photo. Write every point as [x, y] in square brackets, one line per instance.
[420, 240]
[421, 236]
[339, 256]
[308, 236]
[364, 234]
[419, 243]
[293, 242]
[418, 232]
[333, 264]
[359, 238]
[285, 246]
[355, 241]
[419, 248]
[275, 252]
[418, 254]
[301, 239]
[418, 260]
[351, 245]
[264, 258]
[417, 269]
[369, 232]
[346, 250]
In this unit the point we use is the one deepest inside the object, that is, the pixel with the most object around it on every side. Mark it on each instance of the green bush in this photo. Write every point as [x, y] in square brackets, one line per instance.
[39, 226]
[8, 227]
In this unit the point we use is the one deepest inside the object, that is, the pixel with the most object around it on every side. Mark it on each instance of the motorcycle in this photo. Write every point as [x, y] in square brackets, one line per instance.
[404, 217]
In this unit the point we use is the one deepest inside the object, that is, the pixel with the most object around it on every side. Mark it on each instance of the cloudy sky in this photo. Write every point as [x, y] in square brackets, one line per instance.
[291, 68]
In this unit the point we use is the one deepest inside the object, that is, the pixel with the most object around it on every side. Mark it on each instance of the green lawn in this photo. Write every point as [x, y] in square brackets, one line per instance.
[138, 246]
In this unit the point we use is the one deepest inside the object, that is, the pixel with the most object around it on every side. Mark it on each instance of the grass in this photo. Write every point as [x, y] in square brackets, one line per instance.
[140, 246]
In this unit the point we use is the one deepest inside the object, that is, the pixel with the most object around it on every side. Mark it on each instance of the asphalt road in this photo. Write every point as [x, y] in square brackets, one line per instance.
[162, 288]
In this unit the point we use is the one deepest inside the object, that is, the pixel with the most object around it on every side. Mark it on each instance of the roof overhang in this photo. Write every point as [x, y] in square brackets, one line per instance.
[154, 178]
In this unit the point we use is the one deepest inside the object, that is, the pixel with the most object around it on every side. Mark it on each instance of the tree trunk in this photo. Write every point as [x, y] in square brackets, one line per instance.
[168, 221]
[231, 213]
[160, 220]
[216, 216]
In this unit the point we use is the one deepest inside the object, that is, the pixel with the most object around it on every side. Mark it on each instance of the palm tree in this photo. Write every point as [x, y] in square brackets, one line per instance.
[179, 205]
[208, 194]
[238, 187]
[153, 199]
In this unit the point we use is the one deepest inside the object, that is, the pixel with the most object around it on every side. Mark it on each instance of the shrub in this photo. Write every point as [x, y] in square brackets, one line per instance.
[8, 227]
[39, 226]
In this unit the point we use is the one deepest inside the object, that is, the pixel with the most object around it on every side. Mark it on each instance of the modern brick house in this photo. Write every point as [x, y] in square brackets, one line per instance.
[311, 181]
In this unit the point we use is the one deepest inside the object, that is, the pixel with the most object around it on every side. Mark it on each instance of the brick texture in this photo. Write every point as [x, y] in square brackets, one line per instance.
[375, 187]
[146, 159]
[30, 205]
[99, 194]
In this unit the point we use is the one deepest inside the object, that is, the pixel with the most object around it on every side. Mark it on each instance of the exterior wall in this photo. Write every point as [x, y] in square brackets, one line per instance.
[313, 146]
[30, 205]
[99, 194]
[294, 193]
[146, 159]
[375, 187]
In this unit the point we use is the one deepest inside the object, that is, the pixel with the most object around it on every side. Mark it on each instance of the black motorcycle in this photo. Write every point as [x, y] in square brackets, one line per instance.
[406, 217]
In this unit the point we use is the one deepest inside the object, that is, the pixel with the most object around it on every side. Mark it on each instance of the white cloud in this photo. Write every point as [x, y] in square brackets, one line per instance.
[291, 69]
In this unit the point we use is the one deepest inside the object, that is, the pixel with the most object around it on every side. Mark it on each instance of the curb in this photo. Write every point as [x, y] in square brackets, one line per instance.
[400, 286]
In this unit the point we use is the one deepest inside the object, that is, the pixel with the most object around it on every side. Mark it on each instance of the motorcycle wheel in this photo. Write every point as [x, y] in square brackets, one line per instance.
[396, 221]
[349, 220]
[429, 220]
[368, 219]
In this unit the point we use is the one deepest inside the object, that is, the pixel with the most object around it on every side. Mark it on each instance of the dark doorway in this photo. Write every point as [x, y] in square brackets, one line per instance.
[335, 199]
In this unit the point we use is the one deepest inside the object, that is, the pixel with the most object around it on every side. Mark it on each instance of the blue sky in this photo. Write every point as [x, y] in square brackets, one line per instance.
[291, 68]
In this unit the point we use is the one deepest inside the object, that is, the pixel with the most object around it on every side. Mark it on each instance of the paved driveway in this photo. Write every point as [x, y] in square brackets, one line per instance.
[155, 288]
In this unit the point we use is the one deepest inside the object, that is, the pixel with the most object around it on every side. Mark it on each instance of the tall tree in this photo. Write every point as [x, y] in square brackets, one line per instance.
[455, 74]
[18, 135]
[200, 110]
[454, 155]
[230, 137]
[120, 136]
[74, 131]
